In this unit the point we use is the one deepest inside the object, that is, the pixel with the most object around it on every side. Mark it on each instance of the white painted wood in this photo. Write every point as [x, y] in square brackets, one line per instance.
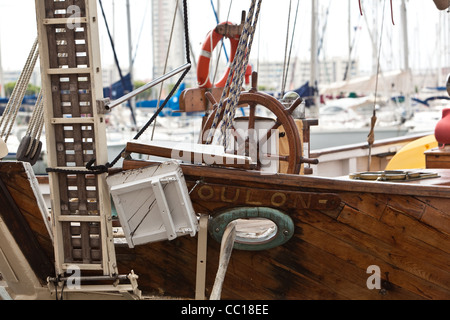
[65, 20]
[37, 191]
[87, 120]
[69, 71]
[3, 149]
[153, 203]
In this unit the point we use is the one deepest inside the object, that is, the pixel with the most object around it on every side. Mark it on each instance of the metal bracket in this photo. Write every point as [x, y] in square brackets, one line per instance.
[101, 105]
[201, 257]
[58, 285]
[146, 86]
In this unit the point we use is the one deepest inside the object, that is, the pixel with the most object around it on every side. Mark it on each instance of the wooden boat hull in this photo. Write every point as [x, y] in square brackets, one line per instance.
[402, 229]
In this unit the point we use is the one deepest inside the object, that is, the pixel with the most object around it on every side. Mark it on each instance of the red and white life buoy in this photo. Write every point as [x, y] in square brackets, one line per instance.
[203, 65]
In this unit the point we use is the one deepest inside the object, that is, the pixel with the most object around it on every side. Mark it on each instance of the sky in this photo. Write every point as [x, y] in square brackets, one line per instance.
[18, 31]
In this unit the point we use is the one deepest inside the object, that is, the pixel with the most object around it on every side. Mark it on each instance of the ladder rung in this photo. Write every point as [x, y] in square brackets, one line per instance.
[82, 170]
[121, 288]
[78, 218]
[89, 243]
[68, 70]
[83, 266]
[70, 21]
[76, 120]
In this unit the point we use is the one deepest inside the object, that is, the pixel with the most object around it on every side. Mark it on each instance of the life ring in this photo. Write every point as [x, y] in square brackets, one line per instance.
[204, 60]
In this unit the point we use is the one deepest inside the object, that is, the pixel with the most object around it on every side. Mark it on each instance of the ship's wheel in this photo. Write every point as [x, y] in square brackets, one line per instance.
[281, 117]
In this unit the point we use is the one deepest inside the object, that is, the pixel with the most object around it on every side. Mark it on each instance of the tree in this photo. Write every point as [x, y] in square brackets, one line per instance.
[31, 89]
[146, 95]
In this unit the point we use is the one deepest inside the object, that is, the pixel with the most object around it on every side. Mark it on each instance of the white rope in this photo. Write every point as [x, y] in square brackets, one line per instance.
[286, 65]
[40, 126]
[283, 84]
[34, 115]
[371, 136]
[237, 72]
[15, 101]
[36, 124]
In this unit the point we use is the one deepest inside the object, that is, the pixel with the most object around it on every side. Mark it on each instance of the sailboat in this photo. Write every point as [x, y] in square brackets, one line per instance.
[206, 223]
[348, 120]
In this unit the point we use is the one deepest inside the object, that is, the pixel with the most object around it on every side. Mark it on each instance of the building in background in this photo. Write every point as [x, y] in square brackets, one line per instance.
[162, 20]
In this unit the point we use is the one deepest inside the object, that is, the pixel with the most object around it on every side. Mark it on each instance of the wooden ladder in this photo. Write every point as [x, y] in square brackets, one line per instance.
[76, 134]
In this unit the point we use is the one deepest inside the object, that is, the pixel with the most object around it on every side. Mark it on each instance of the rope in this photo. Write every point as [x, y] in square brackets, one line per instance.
[373, 120]
[165, 63]
[15, 101]
[32, 121]
[392, 10]
[242, 62]
[217, 21]
[290, 51]
[286, 50]
[116, 59]
[36, 124]
[220, 51]
[237, 72]
[104, 168]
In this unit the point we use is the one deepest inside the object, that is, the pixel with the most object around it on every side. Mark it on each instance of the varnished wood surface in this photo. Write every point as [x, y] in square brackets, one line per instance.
[380, 224]
[335, 241]
[436, 187]
[20, 212]
[438, 158]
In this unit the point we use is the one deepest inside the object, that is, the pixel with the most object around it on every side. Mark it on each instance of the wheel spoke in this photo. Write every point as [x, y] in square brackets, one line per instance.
[250, 142]
[269, 133]
[251, 118]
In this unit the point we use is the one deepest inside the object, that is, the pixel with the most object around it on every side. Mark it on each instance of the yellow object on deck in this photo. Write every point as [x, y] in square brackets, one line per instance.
[412, 156]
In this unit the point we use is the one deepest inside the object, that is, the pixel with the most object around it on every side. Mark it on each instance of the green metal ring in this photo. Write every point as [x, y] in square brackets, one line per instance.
[284, 223]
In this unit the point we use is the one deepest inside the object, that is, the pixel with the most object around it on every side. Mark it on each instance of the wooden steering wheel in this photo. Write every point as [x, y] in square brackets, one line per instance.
[283, 117]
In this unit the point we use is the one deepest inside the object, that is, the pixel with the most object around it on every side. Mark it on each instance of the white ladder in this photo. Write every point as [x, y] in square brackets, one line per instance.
[76, 134]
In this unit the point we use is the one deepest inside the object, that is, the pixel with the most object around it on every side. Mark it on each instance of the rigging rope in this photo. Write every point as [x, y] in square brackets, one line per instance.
[217, 21]
[237, 73]
[99, 169]
[290, 51]
[36, 124]
[116, 59]
[218, 58]
[373, 120]
[283, 84]
[165, 64]
[392, 10]
[15, 101]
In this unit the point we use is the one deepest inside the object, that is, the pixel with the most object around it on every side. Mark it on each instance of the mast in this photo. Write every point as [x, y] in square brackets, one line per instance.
[313, 80]
[406, 66]
[2, 81]
[130, 63]
[349, 31]
[130, 53]
[405, 36]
